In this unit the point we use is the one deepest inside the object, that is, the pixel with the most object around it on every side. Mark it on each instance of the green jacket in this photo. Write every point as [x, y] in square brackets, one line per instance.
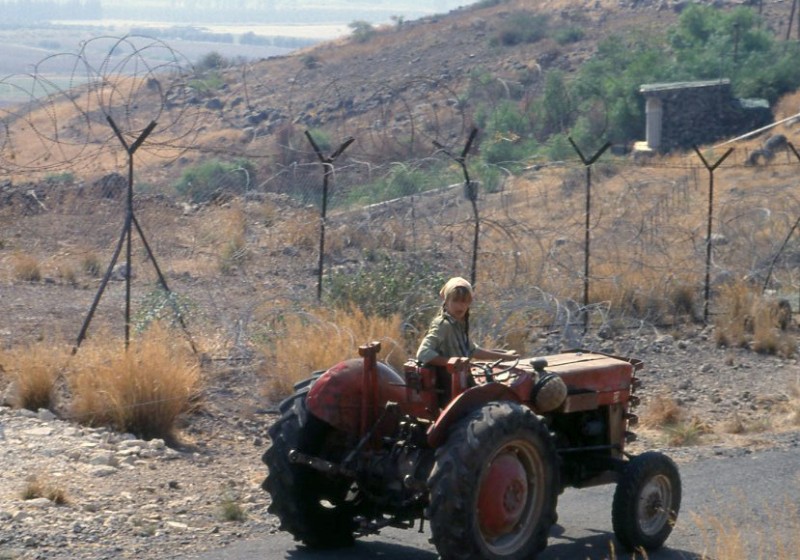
[446, 337]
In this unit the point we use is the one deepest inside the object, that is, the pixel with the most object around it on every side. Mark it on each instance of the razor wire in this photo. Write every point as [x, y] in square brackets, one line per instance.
[108, 77]
[255, 229]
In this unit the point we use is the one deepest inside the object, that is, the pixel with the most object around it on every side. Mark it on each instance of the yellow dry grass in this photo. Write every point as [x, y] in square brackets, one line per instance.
[792, 406]
[664, 415]
[26, 267]
[142, 390]
[662, 410]
[748, 319]
[34, 370]
[303, 232]
[308, 341]
[727, 539]
[231, 238]
[37, 487]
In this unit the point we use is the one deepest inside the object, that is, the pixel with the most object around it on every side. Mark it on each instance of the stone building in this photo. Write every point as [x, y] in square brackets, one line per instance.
[683, 114]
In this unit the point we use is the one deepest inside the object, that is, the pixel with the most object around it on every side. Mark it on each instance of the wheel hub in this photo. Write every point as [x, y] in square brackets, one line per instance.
[653, 505]
[503, 495]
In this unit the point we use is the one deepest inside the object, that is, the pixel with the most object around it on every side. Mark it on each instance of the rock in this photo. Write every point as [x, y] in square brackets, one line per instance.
[102, 471]
[45, 415]
[39, 432]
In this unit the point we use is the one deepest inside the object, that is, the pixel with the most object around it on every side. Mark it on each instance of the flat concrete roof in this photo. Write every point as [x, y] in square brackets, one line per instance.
[667, 86]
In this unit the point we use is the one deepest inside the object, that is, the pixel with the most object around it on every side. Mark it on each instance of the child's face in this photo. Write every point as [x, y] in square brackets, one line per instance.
[457, 306]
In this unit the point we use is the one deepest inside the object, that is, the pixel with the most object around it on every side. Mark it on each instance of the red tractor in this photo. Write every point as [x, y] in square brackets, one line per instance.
[480, 450]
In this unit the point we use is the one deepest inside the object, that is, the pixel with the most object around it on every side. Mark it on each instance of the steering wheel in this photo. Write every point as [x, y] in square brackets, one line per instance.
[487, 370]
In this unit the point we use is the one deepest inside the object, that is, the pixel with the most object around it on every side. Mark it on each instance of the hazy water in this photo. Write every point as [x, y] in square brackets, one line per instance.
[31, 50]
[304, 31]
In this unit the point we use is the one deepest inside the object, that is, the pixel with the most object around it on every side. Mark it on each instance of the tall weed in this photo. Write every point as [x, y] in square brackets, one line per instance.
[34, 370]
[142, 390]
[304, 342]
[26, 268]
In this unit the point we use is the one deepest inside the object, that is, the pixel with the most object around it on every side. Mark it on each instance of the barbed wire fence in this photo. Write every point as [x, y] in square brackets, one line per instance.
[240, 241]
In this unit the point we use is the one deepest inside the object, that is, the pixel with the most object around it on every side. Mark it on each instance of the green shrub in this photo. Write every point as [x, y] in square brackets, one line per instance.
[706, 43]
[521, 28]
[559, 148]
[310, 61]
[65, 177]
[211, 61]
[566, 35]
[506, 149]
[385, 286]
[164, 307]
[204, 181]
[401, 181]
[491, 178]
[209, 82]
[231, 508]
[322, 139]
[555, 111]
[362, 31]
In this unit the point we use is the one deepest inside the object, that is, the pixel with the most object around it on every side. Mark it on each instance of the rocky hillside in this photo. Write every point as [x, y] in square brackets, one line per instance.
[394, 89]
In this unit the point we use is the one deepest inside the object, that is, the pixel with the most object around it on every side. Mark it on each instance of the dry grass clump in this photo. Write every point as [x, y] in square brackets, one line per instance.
[768, 336]
[33, 370]
[142, 390]
[686, 433]
[739, 425]
[303, 232]
[644, 293]
[68, 274]
[735, 301]
[26, 268]
[232, 239]
[793, 405]
[90, 264]
[230, 507]
[36, 488]
[304, 342]
[665, 414]
[749, 320]
[725, 539]
[661, 411]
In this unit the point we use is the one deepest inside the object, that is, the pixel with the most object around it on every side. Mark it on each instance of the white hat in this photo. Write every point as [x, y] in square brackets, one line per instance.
[452, 284]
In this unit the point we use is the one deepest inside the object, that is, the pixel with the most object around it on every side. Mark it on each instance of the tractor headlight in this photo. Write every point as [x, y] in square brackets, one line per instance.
[548, 393]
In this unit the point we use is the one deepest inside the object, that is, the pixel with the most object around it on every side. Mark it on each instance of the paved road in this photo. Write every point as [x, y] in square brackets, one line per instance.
[750, 490]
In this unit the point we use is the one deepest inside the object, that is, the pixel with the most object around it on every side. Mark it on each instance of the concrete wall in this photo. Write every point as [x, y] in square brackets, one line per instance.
[698, 113]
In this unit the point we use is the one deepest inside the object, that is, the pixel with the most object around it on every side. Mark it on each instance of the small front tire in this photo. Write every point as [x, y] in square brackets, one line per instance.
[646, 502]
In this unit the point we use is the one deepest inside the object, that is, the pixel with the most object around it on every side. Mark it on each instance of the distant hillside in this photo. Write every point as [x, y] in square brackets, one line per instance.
[396, 89]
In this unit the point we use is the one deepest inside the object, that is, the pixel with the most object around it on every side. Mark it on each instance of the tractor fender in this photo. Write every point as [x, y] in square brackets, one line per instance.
[336, 397]
[466, 402]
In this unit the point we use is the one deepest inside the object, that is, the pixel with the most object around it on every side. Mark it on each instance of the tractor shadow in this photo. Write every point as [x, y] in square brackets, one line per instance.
[601, 545]
[598, 546]
[364, 550]
[594, 545]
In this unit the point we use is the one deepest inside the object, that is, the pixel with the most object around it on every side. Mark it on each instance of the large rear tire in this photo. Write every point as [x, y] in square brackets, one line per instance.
[646, 501]
[494, 486]
[317, 509]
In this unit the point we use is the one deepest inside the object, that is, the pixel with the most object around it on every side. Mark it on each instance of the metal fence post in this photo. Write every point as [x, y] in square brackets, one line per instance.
[711, 168]
[327, 164]
[588, 164]
[126, 237]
